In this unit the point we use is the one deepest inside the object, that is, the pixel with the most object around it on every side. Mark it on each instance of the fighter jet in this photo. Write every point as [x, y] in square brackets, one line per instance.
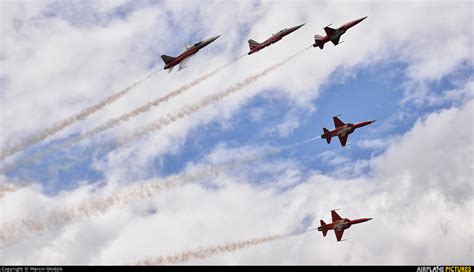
[170, 62]
[339, 225]
[342, 130]
[255, 46]
[334, 35]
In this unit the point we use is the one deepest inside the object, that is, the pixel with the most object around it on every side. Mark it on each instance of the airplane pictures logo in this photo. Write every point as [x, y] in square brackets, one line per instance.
[444, 269]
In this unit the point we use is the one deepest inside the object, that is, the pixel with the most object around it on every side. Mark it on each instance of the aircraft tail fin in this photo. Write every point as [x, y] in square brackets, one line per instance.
[318, 41]
[327, 137]
[253, 44]
[167, 59]
[325, 231]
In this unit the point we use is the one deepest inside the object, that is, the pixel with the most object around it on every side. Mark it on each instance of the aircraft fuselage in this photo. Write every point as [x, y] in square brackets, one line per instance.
[339, 225]
[321, 40]
[274, 38]
[342, 224]
[189, 52]
[345, 129]
[186, 54]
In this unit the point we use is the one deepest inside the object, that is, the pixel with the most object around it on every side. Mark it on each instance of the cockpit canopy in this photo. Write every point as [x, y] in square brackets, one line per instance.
[198, 43]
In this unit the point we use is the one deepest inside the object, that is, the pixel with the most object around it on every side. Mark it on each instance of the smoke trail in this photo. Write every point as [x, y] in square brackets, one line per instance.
[8, 151]
[202, 253]
[171, 118]
[14, 232]
[123, 118]
[147, 107]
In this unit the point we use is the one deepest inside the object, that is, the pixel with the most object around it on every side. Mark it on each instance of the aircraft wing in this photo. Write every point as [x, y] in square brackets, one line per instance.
[183, 64]
[339, 234]
[337, 122]
[335, 41]
[335, 216]
[329, 31]
[343, 139]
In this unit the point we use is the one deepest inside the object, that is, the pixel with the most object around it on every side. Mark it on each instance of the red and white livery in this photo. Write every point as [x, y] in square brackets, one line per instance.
[190, 50]
[339, 225]
[342, 130]
[334, 35]
[256, 46]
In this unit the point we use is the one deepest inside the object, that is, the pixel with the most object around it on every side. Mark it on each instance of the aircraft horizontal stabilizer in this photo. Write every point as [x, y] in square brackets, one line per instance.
[328, 137]
[325, 231]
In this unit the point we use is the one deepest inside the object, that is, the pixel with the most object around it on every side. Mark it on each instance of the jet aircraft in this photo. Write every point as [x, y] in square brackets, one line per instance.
[256, 46]
[342, 130]
[339, 224]
[170, 62]
[334, 35]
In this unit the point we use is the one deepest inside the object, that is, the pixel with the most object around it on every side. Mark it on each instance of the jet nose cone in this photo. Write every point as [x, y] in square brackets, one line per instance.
[295, 27]
[361, 19]
[213, 39]
[373, 121]
[368, 219]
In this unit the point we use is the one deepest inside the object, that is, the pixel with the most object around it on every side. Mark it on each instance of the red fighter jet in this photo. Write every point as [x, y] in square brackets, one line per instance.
[334, 35]
[342, 130]
[255, 46]
[339, 225]
[170, 62]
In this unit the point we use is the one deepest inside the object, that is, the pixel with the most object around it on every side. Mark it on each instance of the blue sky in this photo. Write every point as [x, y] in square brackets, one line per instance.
[63, 57]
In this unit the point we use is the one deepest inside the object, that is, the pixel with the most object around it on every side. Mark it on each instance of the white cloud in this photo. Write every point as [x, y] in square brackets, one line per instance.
[376, 143]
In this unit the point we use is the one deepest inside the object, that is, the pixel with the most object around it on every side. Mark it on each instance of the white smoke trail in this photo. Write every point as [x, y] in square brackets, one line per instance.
[117, 121]
[202, 253]
[9, 188]
[186, 111]
[8, 151]
[13, 232]
[147, 107]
